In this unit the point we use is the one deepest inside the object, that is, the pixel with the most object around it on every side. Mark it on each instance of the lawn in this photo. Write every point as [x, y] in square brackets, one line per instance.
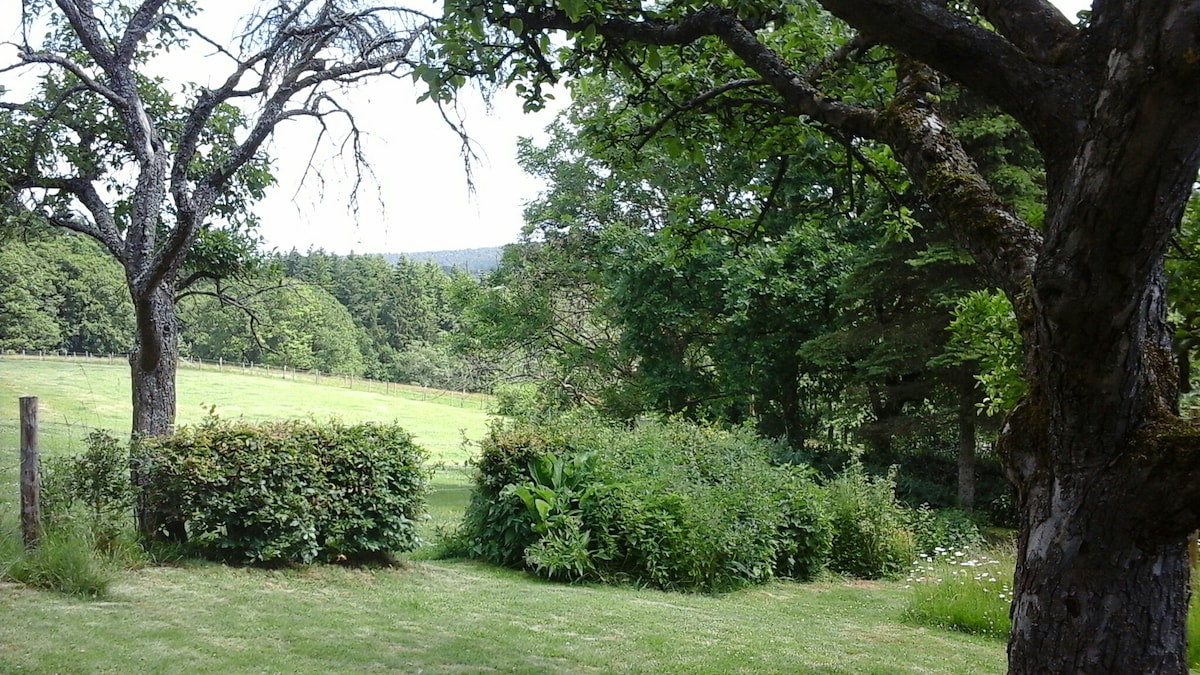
[458, 617]
[421, 616]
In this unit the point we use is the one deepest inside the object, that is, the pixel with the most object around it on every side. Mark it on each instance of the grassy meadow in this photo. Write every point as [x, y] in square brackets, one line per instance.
[423, 615]
[77, 395]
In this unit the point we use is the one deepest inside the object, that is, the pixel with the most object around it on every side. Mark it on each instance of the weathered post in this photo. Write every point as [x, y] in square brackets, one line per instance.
[31, 511]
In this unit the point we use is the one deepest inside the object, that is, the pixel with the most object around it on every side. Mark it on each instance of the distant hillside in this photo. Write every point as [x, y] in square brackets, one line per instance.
[473, 261]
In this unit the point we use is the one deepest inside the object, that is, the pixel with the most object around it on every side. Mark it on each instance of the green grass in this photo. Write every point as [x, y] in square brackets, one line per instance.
[962, 591]
[441, 617]
[423, 616]
[64, 561]
[77, 395]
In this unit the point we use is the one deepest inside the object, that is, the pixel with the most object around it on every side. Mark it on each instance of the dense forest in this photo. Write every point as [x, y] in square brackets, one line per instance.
[353, 315]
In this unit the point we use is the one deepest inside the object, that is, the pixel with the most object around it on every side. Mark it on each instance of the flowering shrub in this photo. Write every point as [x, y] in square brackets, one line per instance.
[960, 590]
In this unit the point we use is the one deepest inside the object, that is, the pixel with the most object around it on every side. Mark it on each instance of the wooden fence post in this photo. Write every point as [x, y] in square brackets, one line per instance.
[31, 511]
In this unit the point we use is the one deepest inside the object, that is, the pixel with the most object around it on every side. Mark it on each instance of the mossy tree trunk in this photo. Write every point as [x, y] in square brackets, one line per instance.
[1105, 504]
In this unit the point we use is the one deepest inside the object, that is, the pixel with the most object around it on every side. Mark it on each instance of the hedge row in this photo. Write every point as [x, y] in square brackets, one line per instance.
[295, 491]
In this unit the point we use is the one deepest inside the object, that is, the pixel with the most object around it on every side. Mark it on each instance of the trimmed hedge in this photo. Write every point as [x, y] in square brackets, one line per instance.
[296, 491]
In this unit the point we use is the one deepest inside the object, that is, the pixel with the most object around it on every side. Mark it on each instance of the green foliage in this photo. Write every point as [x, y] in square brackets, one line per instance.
[984, 330]
[672, 505]
[517, 399]
[61, 293]
[290, 491]
[497, 527]
[297, 325]
[870, 536]
[945, 529]
[1183, 294]
[807, 528]
[94, 485]
[403, 316]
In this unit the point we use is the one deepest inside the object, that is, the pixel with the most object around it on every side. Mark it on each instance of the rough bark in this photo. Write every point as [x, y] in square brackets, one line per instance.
[152, 364]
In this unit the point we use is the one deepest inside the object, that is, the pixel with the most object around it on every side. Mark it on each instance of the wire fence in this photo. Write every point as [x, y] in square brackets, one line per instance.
[55, 439]
[408, 391]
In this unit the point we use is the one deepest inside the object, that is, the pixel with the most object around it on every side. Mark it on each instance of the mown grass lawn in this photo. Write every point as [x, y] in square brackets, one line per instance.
[459, 617]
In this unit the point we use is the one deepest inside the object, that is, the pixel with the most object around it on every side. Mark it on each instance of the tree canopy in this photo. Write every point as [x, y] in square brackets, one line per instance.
[1105, 469]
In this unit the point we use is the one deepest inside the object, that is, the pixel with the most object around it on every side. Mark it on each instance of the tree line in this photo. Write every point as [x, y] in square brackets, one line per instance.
[352, 315]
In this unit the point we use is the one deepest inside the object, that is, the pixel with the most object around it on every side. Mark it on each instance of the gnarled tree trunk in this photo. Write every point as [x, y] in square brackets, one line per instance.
[1102, 573]
[152, 364]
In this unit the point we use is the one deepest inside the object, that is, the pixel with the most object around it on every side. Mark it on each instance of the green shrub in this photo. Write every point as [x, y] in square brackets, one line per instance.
[672, 505]
[92, 487]
[806, 529]
[290, 491]
[497, 526]
[870, 538]
[517, 399]
[947, 529]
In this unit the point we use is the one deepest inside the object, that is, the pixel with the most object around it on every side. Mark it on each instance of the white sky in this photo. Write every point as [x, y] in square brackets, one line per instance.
[425, 204]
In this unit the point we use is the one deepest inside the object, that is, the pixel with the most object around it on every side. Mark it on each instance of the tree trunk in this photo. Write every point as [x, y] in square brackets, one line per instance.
[1091, 595]
[153, 363]
[1095, 451]
[966, 441]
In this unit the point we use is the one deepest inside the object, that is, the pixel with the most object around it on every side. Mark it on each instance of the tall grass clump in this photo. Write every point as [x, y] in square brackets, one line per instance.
[87, 503]
[65, 560]
[961, 591]
[970, 592]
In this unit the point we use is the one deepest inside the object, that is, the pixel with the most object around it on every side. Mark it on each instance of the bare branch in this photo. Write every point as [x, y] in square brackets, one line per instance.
[76, 70]
[697, 103]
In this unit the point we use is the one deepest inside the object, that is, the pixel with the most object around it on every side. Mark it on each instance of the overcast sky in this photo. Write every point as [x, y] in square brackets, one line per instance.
[424, 203]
